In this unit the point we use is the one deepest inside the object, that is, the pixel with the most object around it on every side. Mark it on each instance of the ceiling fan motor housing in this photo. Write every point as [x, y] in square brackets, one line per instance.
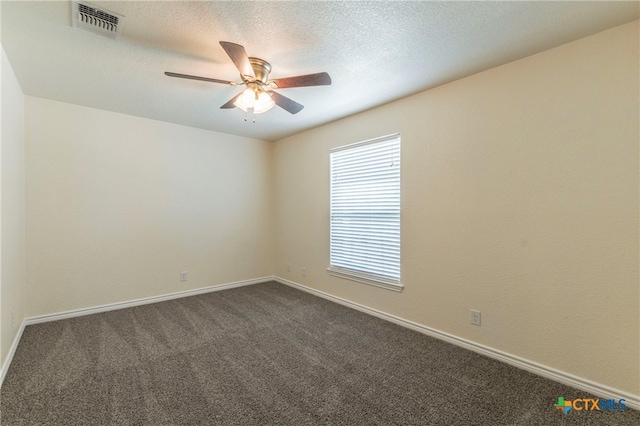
[261, 69]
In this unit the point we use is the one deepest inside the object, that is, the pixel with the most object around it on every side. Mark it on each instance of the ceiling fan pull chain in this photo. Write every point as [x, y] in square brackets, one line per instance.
[248, 112]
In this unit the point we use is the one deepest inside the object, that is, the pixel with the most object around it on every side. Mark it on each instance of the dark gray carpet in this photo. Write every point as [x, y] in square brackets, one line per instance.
[263, 355]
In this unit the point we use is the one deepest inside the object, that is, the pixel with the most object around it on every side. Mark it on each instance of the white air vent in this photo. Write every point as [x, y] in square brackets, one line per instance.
[94, 19]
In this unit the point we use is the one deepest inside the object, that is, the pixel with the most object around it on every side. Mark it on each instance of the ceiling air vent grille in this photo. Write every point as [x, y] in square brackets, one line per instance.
[94, 19]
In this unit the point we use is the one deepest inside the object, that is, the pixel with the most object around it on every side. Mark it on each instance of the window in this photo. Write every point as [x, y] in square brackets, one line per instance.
[365, 212]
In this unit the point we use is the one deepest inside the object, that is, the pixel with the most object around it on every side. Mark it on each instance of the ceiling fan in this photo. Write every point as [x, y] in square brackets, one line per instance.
[259, 95]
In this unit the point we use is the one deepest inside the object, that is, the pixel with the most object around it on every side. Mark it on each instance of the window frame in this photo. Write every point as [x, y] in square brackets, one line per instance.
[355, 274]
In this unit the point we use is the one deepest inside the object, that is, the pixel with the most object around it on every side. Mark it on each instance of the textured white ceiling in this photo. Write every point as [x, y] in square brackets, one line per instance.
[375, 52]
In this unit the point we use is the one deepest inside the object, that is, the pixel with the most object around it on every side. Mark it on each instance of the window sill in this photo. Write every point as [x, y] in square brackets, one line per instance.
[366, 279]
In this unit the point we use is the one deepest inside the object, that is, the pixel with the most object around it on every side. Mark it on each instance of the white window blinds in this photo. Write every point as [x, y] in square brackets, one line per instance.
[365, 211]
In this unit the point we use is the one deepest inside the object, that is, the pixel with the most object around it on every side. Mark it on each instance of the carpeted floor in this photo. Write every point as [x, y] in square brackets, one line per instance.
[263, 355]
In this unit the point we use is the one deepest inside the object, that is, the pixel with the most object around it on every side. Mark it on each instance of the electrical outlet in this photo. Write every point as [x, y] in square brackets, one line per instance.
[13, 319]
[304, 271]
[288, 267]
[475, 317]
[183, 276]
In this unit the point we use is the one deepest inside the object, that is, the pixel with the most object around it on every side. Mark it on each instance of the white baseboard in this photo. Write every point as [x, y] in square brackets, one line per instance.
[12, 352]
[143, 301]
[631, 400]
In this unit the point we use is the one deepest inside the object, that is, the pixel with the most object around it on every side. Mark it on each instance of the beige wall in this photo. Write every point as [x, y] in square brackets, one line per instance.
[519, 199]
[12, 212]
[118, 206]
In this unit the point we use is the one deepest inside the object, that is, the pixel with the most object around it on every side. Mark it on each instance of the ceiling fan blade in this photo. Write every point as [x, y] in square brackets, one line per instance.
[231, 103]
[239, 57]
[285, 103]
[195, 77]
[318, 79]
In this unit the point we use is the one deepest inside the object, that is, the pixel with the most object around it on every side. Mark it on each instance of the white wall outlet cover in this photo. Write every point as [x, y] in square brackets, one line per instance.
[475, 317]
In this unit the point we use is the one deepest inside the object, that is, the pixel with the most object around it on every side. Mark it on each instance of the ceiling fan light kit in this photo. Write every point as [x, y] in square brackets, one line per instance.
[259, 96]
[254, 99]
